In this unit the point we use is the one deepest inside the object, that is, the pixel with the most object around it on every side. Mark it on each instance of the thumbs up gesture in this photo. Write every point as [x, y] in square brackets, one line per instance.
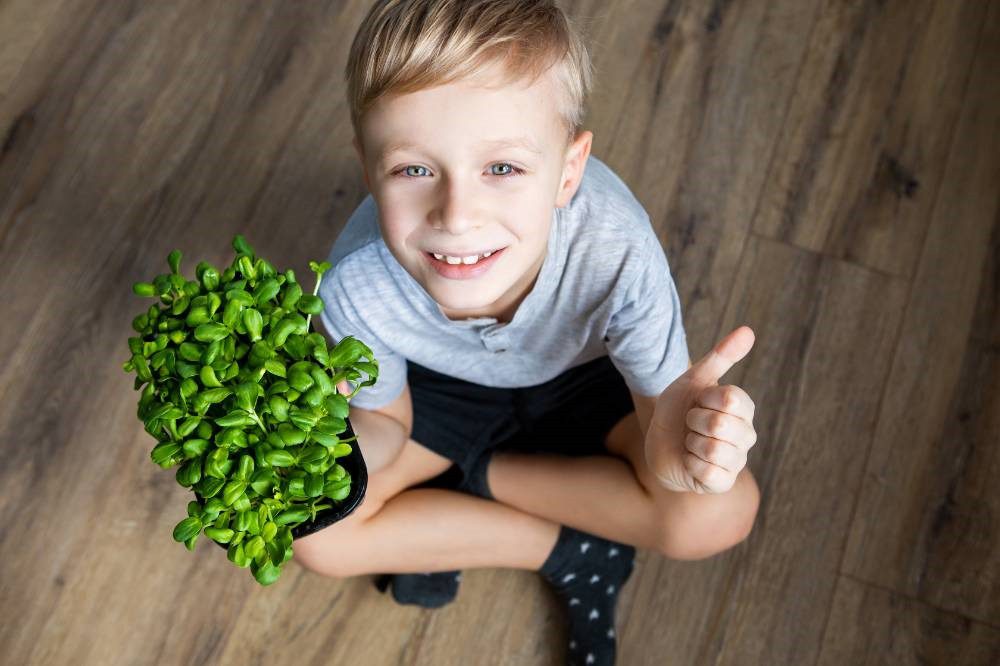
[700, 432]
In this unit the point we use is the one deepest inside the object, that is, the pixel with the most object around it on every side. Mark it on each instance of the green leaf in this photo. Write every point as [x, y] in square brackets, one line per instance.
[254, 546]
[320, 268]
[275, 367]
[210, 332]
[266, 573]
[241, 245]
[215, 395]
[164, 453]
[290, 516]
[314, 454]
[219, 534]
[310, 304]
[237, 418]
[145, 289]
[195, 447]
[279, 408]
[187, 528]
[246, 395]
[337, 406]
[210, 486]
[174, 260]
[254, 323]
[233, 490]
[348, 351]
[291, 296]
[208, 378]
[314, 484]
[279, 458]
[265, 291]
[290, 435]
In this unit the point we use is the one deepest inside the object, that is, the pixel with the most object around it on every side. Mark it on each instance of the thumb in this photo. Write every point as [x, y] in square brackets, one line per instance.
[727, 353]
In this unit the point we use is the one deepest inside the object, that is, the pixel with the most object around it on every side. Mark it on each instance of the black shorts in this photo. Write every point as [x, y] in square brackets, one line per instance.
[570, 414]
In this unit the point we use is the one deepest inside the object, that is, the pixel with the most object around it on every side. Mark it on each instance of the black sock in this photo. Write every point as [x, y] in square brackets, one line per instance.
[587, 573]
[429, 590]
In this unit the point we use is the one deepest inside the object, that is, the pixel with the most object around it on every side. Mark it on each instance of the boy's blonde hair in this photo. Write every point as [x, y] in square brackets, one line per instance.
[404, 46]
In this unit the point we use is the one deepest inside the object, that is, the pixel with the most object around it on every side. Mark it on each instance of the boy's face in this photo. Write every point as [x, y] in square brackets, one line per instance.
[450, 192]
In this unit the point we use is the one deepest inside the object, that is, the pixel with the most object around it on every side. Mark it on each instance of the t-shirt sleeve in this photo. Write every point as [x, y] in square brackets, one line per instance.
[341, 317]
[646, 340]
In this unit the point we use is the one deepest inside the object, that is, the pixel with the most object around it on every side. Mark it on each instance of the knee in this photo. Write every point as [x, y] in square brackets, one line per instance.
[329, 555]
[702, 545]
[710, 534]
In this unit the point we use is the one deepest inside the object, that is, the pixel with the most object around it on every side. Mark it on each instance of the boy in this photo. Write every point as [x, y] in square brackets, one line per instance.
[520, 307]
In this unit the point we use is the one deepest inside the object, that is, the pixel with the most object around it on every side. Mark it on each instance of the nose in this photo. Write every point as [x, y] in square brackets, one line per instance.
[455, 210]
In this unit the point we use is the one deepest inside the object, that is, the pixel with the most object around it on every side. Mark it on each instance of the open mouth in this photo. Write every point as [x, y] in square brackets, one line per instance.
[464, 261]
[462, 270]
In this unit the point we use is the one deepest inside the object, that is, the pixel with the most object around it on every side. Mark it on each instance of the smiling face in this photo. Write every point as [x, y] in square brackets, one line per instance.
[445, 181]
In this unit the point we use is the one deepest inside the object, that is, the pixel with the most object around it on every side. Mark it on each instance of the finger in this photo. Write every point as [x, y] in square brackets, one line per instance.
[720, 425]
[713, 478]
[727, 398]
[717, 452]
[343, 388]
[729, 351]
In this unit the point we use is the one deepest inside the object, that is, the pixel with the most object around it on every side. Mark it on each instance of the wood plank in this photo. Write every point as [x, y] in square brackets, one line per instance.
[927, 509]
[870, 626]
[692, 127]
[858, 170]
[129, 129]
[824, 332]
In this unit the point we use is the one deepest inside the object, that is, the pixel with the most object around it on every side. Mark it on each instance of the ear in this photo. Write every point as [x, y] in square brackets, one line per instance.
[361, 158]
[572, 173]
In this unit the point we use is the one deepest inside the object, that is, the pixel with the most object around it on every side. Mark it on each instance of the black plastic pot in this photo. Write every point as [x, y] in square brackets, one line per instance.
[354, 463]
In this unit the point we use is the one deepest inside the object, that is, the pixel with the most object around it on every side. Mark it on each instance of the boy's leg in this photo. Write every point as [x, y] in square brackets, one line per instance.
[430, 529]
[425, 529]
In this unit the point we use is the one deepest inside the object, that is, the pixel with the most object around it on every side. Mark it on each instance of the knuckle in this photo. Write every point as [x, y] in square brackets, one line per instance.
[731, 397]
[712, 450]
[716, 422]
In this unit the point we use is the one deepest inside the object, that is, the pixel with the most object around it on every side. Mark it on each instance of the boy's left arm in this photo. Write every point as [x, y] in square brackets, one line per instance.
[696, 433]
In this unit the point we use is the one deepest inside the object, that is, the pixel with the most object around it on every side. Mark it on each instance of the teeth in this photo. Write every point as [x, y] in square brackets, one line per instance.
[461, 260]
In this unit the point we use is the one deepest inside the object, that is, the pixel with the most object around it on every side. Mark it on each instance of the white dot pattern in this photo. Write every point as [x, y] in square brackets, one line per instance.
[594, 613]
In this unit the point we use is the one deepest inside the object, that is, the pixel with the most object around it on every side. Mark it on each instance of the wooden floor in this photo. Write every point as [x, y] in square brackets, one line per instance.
[825, 171]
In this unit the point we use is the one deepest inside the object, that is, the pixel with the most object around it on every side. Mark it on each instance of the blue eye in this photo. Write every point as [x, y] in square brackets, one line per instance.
[514, 171]
[403, 170]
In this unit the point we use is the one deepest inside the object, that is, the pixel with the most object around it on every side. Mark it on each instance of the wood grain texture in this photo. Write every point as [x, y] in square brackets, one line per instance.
[825, 171]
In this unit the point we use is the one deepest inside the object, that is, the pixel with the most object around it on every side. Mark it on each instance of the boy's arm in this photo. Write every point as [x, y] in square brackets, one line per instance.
[644, 405]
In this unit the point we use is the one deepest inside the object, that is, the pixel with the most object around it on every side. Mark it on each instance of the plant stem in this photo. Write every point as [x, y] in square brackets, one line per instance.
[319, 279]
[253, 414]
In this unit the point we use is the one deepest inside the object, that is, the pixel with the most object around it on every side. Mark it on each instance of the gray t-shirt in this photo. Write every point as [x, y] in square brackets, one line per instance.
[604, 289]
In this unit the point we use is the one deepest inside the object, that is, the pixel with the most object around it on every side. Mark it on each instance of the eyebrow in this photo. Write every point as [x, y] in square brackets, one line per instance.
[514, 142]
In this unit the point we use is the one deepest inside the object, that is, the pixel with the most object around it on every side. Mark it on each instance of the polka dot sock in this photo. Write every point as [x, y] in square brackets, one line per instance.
[587, 572]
